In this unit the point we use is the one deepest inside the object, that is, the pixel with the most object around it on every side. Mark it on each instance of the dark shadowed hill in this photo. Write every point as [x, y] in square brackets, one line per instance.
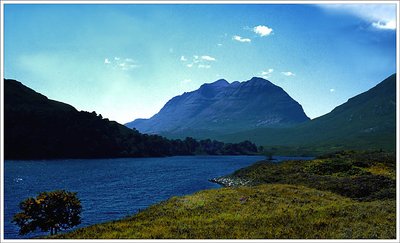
[222, 107]
[36, 127]
[366, 121]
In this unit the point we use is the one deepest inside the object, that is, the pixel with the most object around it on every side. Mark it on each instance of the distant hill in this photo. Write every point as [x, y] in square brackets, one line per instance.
[366, 121]
[222, 107]
[36, 127]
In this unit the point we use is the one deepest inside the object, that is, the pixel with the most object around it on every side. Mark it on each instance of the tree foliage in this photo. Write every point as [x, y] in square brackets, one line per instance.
[49, 211]
[40, 128]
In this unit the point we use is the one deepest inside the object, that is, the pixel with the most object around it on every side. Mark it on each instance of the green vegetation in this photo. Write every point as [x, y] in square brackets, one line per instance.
[363, 176]
[49, 211]
[261, 212]
[345, 195]
[366, 121]
[39, 128]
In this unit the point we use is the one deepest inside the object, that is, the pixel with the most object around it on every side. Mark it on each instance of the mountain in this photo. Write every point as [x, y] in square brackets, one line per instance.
[36, 127]
[222, 108]
[366, 121]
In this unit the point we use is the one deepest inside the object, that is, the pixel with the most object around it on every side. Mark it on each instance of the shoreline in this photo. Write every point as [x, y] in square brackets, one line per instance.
[229, 181]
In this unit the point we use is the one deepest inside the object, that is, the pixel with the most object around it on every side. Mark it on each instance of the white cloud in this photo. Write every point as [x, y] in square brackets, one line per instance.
[208, 58]
[288, 74]
[196, 59]
[380, 16]
[204, 66]
[241, 39]
[262, 30]
[267, 74]
[219, 44]
[203, 61]
[391, 25]
[332, 90]
[121, 63]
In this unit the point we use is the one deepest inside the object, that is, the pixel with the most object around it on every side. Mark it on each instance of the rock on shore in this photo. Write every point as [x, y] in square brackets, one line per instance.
[229, 181]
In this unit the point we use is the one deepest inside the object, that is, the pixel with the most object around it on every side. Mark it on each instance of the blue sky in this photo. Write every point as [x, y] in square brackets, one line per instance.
[127, 61]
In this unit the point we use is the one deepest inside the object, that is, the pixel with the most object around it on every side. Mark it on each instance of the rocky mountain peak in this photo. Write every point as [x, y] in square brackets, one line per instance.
[224, 107]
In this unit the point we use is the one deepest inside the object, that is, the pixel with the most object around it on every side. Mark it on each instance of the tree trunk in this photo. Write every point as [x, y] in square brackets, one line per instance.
[55, 230]
[51, 230]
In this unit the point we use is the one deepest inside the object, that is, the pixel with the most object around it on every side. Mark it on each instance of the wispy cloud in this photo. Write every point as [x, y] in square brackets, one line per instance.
[203, 61]
[332, 90]
[241, 39]
[380, 16]
[288, 74]
[267, 74]
[124, 64]
[186, 81]
[204, 66]
[208, 58]
[391, 25]
[262, 30]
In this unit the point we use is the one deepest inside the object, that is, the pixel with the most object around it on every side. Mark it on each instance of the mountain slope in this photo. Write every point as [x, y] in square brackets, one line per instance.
[366, 121]
[223, 107]
[36, 127]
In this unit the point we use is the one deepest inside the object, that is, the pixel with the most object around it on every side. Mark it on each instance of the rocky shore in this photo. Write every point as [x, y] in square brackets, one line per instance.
[229, 181]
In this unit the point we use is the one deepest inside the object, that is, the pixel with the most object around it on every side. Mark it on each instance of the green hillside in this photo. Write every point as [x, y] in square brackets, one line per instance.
[345, 195]
[362, 176]
[366, 121]
[36, 127]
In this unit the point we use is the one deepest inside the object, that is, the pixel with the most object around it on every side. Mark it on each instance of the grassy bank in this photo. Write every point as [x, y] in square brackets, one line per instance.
[261, 212]
[359, 175]
[341, 196]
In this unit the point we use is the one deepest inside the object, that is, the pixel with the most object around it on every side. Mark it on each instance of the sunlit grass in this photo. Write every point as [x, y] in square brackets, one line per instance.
[262, 212]
[346, 195]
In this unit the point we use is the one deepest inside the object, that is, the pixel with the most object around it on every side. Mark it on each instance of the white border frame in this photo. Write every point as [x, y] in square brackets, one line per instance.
[2, 3]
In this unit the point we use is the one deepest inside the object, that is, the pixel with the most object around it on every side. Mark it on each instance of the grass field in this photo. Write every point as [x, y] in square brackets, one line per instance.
[347, 195]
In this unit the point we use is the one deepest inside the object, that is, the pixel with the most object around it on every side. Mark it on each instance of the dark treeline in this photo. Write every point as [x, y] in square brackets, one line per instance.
[39, 128]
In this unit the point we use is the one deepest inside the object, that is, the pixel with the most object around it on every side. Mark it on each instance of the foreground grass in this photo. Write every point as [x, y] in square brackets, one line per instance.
[260, 212]
[363, 176]
[346, 195]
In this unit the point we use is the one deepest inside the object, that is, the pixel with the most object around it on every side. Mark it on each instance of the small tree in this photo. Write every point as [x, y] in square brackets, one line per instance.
[269, 153]
[49, 211]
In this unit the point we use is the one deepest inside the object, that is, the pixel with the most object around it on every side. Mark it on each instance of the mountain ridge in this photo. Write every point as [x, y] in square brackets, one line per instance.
[366, 121]
[36, 127]
[223, 107]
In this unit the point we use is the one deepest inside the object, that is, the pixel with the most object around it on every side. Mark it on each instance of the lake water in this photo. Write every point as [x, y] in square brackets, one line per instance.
[111, 189]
